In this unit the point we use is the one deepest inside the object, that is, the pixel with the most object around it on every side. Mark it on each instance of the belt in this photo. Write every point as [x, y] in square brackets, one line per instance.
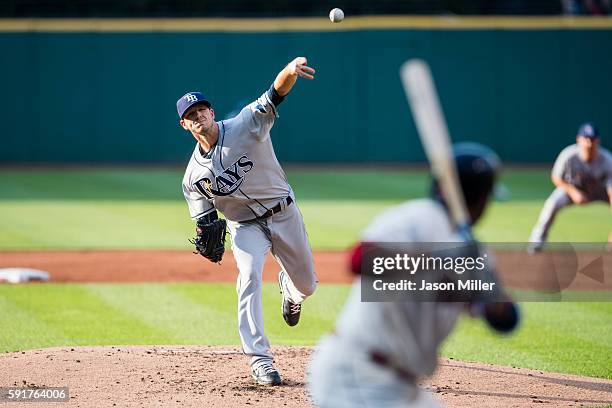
[384, 360]
[276, 209]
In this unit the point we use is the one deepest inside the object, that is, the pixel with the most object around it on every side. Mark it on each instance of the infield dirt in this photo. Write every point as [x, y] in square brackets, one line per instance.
[516, 269]
[196, 376]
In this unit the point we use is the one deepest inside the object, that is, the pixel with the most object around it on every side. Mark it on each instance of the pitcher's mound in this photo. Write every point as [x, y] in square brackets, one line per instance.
[198, 376]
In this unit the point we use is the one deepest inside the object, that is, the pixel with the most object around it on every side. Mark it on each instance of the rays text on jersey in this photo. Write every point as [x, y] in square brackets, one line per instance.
[226, 182]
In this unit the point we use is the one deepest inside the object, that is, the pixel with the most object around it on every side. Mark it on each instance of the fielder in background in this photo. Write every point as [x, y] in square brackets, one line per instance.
[233, 169]
[582, 174]
[379, 350]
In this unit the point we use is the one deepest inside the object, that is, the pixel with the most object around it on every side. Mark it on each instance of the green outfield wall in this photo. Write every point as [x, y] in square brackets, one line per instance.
[98, 92]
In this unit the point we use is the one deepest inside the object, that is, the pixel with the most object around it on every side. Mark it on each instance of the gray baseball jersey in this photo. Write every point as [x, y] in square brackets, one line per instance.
[588, 177]
[240, 176]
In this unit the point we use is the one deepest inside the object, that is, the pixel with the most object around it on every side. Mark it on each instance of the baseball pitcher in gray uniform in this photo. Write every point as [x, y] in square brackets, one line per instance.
[582, 174]
[379, 350]
[233, 169]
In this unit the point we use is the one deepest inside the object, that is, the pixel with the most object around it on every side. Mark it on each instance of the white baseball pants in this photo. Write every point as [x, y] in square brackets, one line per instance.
[343, 376]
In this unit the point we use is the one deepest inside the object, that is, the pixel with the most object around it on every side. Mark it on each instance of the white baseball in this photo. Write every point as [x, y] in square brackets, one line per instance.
[336, 15]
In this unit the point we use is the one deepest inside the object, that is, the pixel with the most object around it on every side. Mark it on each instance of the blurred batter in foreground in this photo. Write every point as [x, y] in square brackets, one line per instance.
[380, 349]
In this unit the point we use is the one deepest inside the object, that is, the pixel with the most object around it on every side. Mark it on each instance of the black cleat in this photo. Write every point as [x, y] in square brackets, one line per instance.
[291, 311]
[266, 374]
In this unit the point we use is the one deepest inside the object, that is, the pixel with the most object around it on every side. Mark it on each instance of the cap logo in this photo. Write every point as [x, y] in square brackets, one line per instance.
[191, 98]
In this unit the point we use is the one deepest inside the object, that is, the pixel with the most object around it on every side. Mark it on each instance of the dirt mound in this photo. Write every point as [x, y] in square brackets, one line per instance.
[196, 376]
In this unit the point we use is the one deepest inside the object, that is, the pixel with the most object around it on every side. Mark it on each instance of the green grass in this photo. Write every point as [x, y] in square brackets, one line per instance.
[144, 208]
[567, 337]
[36, 316]
[561, 337]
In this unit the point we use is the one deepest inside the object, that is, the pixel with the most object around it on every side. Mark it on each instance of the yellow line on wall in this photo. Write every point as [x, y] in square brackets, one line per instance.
[302, 24]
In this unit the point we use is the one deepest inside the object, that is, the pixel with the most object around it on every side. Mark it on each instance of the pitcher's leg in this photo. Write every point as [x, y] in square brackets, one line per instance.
[250, 247]
[557, 200]
[292, 250]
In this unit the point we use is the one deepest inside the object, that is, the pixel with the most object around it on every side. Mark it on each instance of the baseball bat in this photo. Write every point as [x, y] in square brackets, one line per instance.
[433, 132]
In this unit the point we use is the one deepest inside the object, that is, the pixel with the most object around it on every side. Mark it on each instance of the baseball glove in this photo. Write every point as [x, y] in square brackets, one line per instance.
[210, 239]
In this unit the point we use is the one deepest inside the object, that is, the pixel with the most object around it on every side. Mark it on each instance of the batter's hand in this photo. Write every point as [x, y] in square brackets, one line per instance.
[298, 67]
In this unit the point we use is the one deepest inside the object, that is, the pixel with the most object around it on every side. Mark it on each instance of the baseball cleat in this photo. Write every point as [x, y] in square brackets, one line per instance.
[291, 311]
[266, 374]
[535, 247]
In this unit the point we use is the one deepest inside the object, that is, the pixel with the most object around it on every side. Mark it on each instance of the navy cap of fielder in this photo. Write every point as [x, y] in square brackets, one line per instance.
[588, 130]
[188, 100]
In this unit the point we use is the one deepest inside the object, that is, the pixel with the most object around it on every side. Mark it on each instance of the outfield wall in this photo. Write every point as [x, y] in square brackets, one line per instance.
[105, 91]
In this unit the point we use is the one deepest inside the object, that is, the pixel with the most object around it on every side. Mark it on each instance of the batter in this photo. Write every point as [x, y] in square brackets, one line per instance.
[379, 350]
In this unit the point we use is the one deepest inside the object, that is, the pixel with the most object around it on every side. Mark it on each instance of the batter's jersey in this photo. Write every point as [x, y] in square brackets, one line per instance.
[410, 332]
[588, 177]
[240, 176]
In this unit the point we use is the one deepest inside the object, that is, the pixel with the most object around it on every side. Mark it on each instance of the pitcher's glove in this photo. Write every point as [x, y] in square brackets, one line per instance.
[210, 239]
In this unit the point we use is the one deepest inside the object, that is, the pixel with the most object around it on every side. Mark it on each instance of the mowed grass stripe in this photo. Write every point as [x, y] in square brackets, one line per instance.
[91, 183]
[319, 312]
[151, 314]
[552, 337]
[318, 315]
[584, 338]
[512, 222]
[21, 330]
[71, 315]
[596, 316]
[474, 341]
[94, 225]
[144, 208]
[175, 317]
[337, 225]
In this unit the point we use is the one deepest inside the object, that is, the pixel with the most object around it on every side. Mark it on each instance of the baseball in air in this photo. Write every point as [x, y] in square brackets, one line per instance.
[336, 15]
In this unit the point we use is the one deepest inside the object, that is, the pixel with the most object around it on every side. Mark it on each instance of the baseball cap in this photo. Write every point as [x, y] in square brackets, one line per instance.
[588, 130]
[188, 100]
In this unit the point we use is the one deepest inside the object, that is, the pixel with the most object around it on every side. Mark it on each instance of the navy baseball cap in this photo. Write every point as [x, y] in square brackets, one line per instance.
[588, 130]
[188, 100]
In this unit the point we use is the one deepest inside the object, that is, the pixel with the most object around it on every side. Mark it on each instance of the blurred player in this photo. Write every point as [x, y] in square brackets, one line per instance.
[379, 350]
[582, 174]
[233, 169]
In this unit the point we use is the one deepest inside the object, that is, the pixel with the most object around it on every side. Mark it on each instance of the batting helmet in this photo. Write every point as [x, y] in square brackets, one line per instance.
[477, 168]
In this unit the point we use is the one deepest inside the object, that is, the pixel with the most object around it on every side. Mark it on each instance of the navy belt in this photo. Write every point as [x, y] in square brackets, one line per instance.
[275, 210]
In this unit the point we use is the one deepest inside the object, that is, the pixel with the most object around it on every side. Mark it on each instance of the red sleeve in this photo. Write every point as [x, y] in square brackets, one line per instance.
[355, 256]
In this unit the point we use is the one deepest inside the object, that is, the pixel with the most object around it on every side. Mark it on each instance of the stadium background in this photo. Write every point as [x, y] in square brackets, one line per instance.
[102, 90]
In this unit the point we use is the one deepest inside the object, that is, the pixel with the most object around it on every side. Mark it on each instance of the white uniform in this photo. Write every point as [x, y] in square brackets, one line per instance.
[242, 178]
[342, 372]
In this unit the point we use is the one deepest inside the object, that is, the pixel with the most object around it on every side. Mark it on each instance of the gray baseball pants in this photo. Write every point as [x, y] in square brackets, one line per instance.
[555, 202]
[285, 235]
